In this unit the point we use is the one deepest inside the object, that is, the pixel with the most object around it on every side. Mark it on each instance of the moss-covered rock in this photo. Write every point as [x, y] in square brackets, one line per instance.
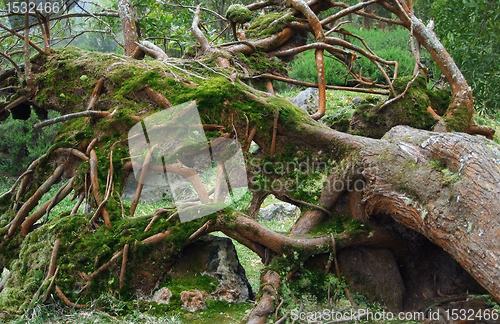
[411, 110]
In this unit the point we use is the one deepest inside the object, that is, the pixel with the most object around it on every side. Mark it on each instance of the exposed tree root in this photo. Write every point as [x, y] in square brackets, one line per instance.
[95, 186]
[73, 151]
[77, 205]
[33, 200]
[34, 217]
[91, 113]
[95, 94]
[275, 133]
[270, 283]
[250, 138]
[486, 131]
[124, 266]
[66, 300]
[49, 288]
[141, 181]
[157, 238]
[158, 98]
[152, 50]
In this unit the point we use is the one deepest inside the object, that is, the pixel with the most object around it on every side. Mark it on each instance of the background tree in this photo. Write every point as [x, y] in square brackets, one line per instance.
[472, 35]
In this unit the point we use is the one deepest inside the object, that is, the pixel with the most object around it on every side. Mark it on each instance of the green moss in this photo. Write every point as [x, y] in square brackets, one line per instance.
[258, 63]
[440, 100]
[238, 13]
[411, 110]
[28, 271]
[269, 24]
[460, 120]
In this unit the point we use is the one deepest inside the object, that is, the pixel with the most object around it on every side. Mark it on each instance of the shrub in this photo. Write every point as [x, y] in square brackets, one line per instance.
[391, 45]
[20, 143]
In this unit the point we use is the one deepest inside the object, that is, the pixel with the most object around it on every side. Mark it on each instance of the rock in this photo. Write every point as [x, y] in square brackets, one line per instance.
[375, 274]
[279, 211]
[357, 101]
[216, 257]
[307, 100]
[192, 301]
[162, 296]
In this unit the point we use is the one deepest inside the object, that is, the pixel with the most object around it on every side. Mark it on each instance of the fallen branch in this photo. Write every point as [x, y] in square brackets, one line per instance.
[315, 85]
[152, 50]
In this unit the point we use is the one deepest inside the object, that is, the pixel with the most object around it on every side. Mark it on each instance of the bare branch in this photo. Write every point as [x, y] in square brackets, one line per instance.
[198, 34]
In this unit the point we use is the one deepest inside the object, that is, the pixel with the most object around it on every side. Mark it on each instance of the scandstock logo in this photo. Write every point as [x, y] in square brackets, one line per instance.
[174, 142]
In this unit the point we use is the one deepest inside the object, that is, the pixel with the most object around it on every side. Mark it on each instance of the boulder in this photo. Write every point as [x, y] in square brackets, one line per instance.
[216, 257]
[278, 211]
[307, 100]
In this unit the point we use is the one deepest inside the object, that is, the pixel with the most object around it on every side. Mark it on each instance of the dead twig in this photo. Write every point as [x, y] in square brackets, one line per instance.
[275, 133]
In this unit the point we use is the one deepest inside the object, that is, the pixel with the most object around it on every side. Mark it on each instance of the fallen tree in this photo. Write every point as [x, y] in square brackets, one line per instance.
[440, 184]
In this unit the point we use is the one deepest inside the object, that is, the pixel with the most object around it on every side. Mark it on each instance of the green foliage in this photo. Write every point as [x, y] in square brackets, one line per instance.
[20, 143]
[390, 45]
[471, 33]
